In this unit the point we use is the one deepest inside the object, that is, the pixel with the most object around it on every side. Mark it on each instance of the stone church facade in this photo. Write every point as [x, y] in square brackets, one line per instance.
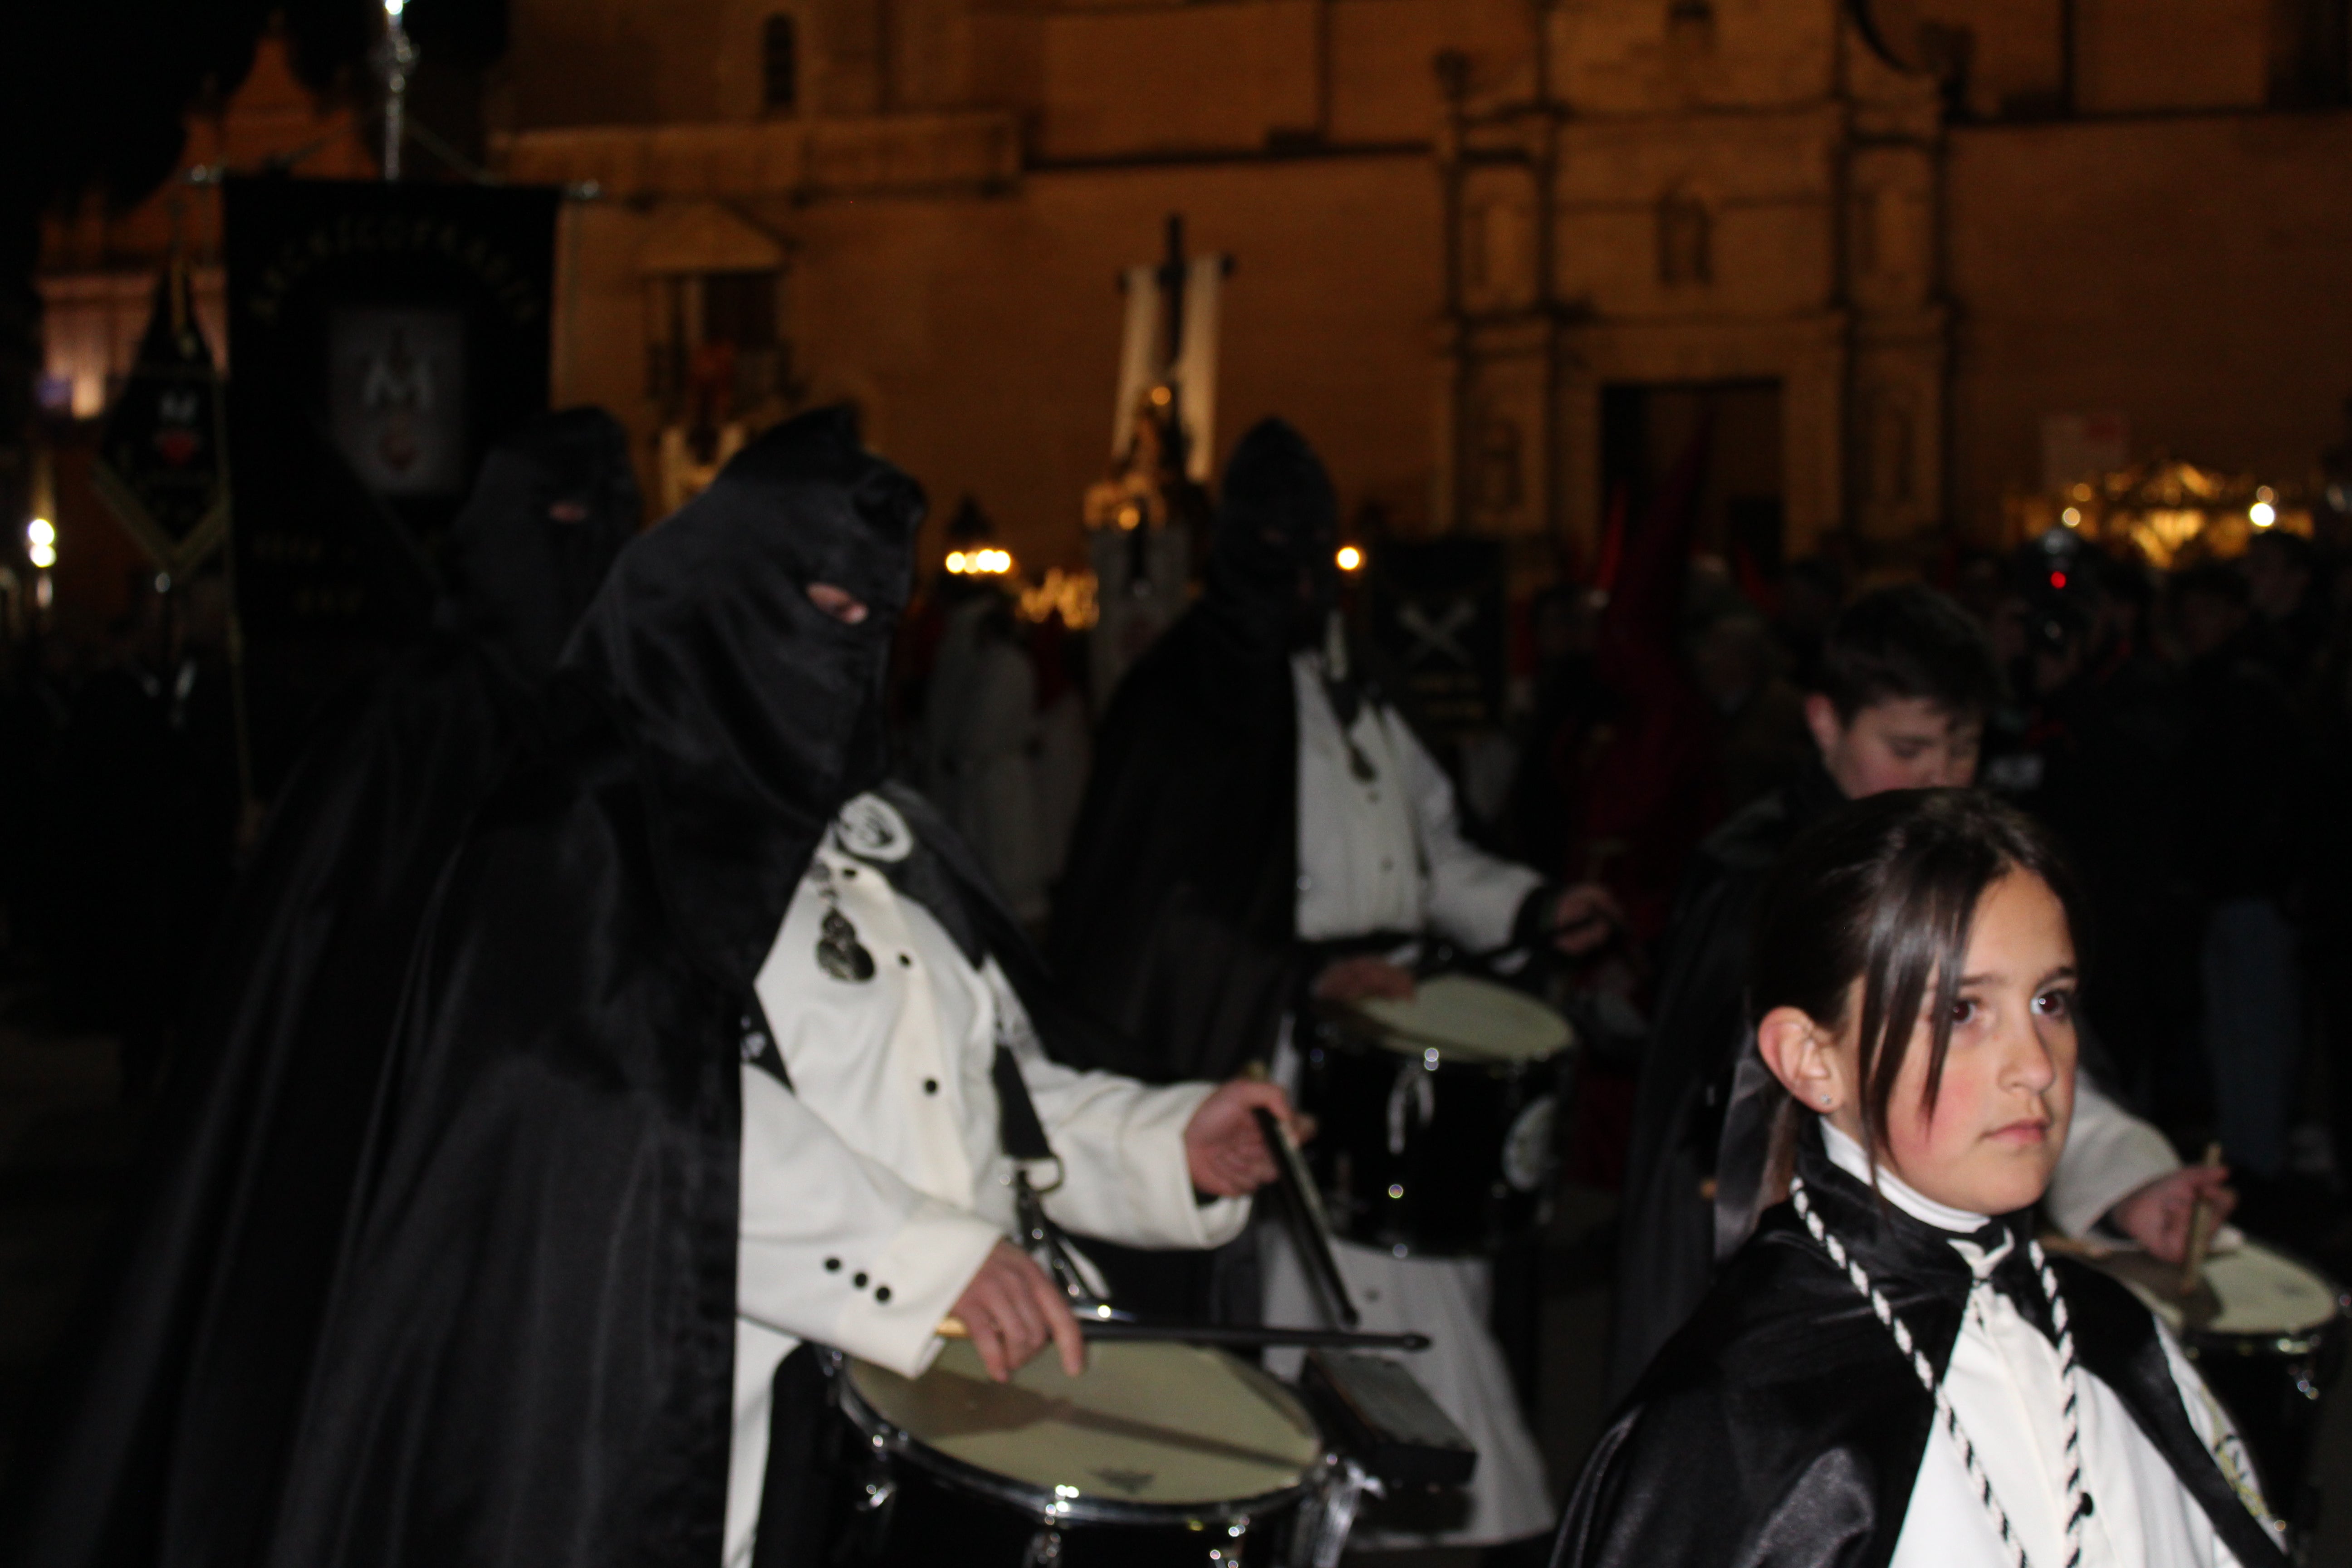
[1489, 254]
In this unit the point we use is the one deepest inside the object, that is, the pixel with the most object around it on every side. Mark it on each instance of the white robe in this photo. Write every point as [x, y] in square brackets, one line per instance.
[2004, 1384]
[1387, 855]
[874, 1187]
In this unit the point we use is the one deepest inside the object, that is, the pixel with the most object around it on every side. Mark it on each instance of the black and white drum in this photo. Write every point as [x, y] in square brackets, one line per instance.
[1436, 1116]
[2266, 1332]
[1159, 1455]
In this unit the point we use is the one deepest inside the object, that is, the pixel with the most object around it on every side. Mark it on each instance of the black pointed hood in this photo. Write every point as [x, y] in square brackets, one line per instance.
[554, 505]
[751, 715]
[1277, 525]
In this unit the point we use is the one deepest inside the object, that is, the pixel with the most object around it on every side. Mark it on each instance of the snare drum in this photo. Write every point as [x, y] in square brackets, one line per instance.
[2267, 1342]
[1436, 1116]
[1161, 1454]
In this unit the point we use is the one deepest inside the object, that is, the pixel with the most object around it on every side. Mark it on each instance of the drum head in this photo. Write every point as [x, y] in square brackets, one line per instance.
[1150, 1424]
[1472, 1019]
[2254, 1291]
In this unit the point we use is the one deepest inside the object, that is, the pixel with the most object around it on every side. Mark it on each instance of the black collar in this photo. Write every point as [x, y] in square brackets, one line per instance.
[1914, 1264]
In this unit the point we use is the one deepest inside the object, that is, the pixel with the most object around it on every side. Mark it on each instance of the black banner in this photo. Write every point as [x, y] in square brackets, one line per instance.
[381, 338]
[159, 460]
[1437, 619]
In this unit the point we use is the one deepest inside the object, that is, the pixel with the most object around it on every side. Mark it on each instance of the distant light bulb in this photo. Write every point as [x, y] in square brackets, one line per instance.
[1349, 558]
[43, 556]
[2262, 514]
[956, 562]
[2057, 579]
[2072, 517]
[40, 532]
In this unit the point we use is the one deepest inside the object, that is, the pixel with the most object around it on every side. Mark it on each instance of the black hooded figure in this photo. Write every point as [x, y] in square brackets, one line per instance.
[528, 1351]
[186, 1377]
[1177, 915]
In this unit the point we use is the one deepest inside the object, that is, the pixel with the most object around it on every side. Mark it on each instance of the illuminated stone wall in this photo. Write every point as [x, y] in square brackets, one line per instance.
[1739, 189]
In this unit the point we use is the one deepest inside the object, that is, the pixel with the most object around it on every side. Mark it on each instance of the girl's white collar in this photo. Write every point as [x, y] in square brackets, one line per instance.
[1847, 1156]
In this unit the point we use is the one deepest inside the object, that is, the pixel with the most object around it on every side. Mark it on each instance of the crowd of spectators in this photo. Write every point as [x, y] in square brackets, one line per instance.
[2188, 733]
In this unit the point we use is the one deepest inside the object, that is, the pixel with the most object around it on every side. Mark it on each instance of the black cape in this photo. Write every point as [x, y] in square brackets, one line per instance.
[527, 1356]
[1174, 918]
[1665, 1249]
[186, 1376]
[1176, 915]
[1781, 1425]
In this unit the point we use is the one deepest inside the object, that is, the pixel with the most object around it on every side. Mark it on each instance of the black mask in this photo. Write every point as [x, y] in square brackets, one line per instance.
[555, 503]
[752, 713]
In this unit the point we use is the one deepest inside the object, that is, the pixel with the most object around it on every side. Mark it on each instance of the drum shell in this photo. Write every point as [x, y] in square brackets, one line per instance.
[1446, 1193]
[2273, 1381]
[899, 1504]
[2273, 1386]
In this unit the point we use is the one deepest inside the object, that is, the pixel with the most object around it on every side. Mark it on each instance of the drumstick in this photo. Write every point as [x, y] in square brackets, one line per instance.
[1309, 1229]
[2200, 1230]
[953, 1328]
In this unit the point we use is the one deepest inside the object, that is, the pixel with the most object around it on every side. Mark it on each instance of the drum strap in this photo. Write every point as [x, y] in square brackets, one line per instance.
[797, 1490]
[1018, 1127]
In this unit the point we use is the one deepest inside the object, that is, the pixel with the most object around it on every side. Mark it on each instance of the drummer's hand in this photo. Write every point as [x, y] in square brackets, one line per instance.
[1355, 979]
[1585, 917]
[1223, 1149]
[2156, 1216]
[1011, 1308]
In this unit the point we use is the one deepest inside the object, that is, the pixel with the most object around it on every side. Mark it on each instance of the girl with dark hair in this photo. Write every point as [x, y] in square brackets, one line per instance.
[1891, 1371]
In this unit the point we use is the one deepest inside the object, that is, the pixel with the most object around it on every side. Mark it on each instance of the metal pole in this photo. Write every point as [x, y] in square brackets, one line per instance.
[1172, 274]
[395, 58]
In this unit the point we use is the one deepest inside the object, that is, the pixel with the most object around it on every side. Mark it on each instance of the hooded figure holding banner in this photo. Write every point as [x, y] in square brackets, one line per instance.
[186, 1375]
[696, 1064]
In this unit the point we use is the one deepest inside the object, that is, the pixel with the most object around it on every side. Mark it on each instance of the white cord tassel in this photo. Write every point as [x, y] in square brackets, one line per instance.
[2080, 1504]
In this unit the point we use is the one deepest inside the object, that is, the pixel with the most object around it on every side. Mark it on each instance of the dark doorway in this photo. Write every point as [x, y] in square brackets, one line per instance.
[1647, 429]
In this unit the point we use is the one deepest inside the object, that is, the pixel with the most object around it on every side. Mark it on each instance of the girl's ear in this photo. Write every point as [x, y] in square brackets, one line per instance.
[1804, 1056]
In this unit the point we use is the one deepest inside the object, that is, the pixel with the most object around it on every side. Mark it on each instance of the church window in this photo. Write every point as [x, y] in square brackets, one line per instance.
[779, 63]
[1683, 240]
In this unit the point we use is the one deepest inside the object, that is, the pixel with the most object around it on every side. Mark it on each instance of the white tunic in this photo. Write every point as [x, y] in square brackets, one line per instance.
[1387, 855]
[2004, 1383]
[874, 1187]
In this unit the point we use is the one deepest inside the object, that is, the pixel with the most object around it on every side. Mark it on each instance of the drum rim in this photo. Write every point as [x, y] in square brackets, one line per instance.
[2305, 1340]
[1455, 1052]
[1037, 1502]
[1355, 1033]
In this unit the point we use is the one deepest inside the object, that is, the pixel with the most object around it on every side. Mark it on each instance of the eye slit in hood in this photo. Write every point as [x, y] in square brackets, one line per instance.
[554, 505]
[750, 714]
